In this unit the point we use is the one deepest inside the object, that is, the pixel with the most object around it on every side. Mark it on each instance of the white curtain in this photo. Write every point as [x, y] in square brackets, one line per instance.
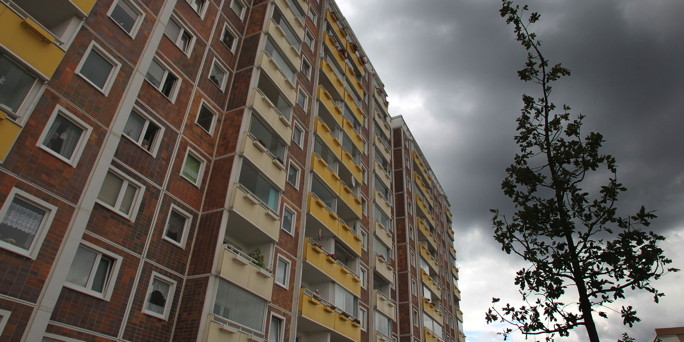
[24, 217]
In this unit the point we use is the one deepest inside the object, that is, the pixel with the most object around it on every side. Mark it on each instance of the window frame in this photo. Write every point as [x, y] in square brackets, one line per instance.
[186, 227]
[298, 172]
[363, 318]
[364, 239]
[183, 29]
[41, 232]
[280, 338]
[169, 300]
[200, 172]
[4, 318]
[29, 100]
[106, 294]
[299, 142]
[285, 209]
[287, 274]
[306, 73]
[156, 142]
[82, 139]
[216, 65]
[229, 29]
[301, 93]
[167, 71]
[137, 200]
[309, 42]
[363, 275]
[136, 24]
[240, 15]
[204, 104]
[201, 11]
[111, 78]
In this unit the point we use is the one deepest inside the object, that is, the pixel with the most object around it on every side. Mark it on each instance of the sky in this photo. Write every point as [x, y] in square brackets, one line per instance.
[449, 68]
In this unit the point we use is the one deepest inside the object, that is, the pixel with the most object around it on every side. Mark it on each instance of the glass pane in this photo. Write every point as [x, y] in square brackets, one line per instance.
[158, 296]
[124, 15]
[281, 272]
[205, 118]
[81, 266]
[287, 220]
[110, 189]
[280, 60]
[155, 74]
[63, 137]
[275, 330]
[15, 84]
[134, 126]
[173, 30]
[175, 226]
[228, 38]
[240, 306]
[102, 274]
[217, 75]
[96, 69]
[21, 223]
[191, 168]
[127, 200]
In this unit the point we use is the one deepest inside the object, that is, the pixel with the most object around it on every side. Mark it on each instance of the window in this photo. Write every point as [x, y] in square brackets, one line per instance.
[25, 220]
[345, 300]
[98, 68]
[282, 272]
[162, 79]
[268, 139]
[218, 75]
[364, 206]
[309, 39]
[198, 6]
[302, 98]
[177, 226]
[229, 38]
[159, 296]
[291, 37]
[288, 220]
[143, 131]
[16, 87]
[193, 168]
[180, 36]
[279, 58]
[276, 330]
[416, 321]
[120, 194]
[65, 136]
[4, 317]
[313, 15]
[363, 313]
[126, 15]
[414, 287]
[238, 7]
[298, 135]
[306, 68]
[293, 175]
[259, 186]
[364, 239]
[280, 103]
[382, 324]
[205, 118]
[93, 271]
[239, 306]
[363, 274]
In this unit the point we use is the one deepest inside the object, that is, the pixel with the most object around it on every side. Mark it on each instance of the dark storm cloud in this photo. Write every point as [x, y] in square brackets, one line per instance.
[450, 69]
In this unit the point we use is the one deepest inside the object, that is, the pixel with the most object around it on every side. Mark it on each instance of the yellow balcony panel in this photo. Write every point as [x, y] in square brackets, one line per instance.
[279, 123]
[317, 257]
[251, 209]
[452, 250]
[330, 106]
[383, 204]
[283, 83]
[289, 14]
[326, 135]
[330, 43]
[84, 5]
[351, 165]
[347, 235]
[217, 331]
[385, 305]
[430, 336]
[320, 167]
[329, 72]
[356, 110]
[354, 82]
[351, 200]
[428, 257]
[384, 269]
[239, 269]
[334, 24]
[454, 270]
[425, 231]
[9, 131]
[259, 155]
[318, 210]
[355, 137]
[384, 149]
[355, 58]
[383, 175]
[345, 327]
[383, 234]
[423, 207]
[421, 166]
[430, 283]
[381, 123]
[431, 310]
[316, 311]
[279, 37]
[423, 188]
[29, 41]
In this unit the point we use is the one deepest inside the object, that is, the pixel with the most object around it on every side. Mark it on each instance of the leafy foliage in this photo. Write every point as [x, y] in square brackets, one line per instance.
[565, 225]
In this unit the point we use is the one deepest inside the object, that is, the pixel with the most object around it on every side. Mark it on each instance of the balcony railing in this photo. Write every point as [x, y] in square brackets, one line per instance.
[241, 269]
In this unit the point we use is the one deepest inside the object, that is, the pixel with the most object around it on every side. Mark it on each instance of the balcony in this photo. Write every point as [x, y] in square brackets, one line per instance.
[432, 310]
[381, 123]
[383, 234]
[259, 155]
[324, 315]
[332, 222]
[9, 131]
[428, 258]
[420, 165]
[267, 64]
[335, 146]
[354, 82]
[332, 19]
[332, 46]
[423, 188]
[331, 74]
[383, 174]
[219, 331]
[316, 256]
[454, 269]
[356, 110]
[240, 269]
[277, 33]
[329, 104]
[385, 305]
[320, 167]
[383, 204]
[450, 232]
[425, 233]
[380, 96]
[452, 250]
[264, 106]
[291, 16]
[459, 315]
[383, 148]
[431, 284]
[457, 292]
[355, 137]
[426, 212]
[384, 269]
[255, 218]
[351, 165]
[430, 336]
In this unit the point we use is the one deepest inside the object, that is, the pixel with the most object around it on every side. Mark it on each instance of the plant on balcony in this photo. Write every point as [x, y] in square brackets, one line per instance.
[257, 258]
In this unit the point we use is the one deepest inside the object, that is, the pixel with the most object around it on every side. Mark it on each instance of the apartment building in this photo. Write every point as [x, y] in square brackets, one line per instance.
[208, 170]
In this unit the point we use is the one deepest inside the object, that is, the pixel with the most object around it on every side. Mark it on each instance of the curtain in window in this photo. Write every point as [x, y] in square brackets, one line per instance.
[63, 137]
[158, 296]
[21, 223]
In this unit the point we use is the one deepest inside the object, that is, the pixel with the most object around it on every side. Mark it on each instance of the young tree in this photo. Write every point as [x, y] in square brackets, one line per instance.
[568, 229]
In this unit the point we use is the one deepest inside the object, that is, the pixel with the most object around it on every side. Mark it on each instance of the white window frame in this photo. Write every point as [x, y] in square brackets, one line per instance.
[364, 239]
[298, 169]
[135, 206]
[216, 65]
[244, 9]
[36, 243]
[202, 10]
[309, 42]
[32, 95]
[4, 317]
[213, 118]
[307, 73]
[112, 276]
[302, 94]
[112, 73]
[287, 271]
[169, 299]
[138, 20]
[154, 146]
[363, 274]
[186, 227]
[82, 140]
[200, 172]
[227, 27]
[184, 28]
[364, 205]
[294, 219]
[281, 338]
[299, 142]
[313, 16]
[167, 71]
[56, 337]
[363, 318]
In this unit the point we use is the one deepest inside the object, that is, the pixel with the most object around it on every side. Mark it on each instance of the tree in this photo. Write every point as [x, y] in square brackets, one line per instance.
[565, 226]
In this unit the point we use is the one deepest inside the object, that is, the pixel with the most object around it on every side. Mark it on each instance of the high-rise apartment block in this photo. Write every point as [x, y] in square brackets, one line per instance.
[210, 170]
